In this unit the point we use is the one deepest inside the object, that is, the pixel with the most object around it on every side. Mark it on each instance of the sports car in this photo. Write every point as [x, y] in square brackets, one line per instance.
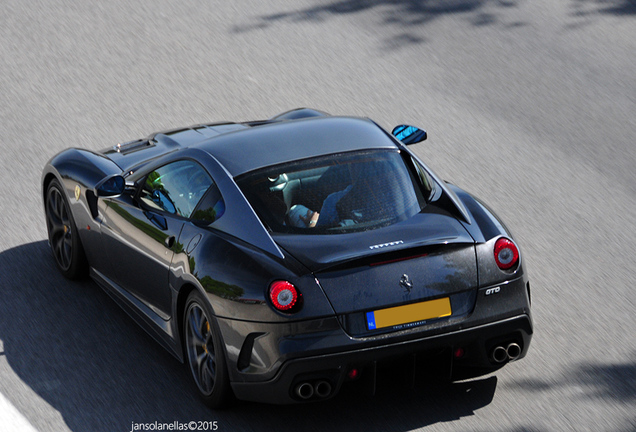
[283, 260]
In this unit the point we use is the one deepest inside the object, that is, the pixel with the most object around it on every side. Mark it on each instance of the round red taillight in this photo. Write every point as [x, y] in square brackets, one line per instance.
[284, 295]
[506, 253]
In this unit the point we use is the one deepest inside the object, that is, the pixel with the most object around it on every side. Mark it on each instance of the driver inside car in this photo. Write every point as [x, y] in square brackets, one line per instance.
[303, 217]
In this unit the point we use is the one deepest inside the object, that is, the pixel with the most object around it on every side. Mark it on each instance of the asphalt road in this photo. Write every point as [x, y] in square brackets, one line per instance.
[529, 104]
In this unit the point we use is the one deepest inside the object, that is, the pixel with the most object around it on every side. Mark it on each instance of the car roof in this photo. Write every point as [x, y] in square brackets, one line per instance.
[248, 149]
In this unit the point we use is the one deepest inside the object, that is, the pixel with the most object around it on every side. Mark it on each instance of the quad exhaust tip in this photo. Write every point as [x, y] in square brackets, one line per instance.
[323, 389]
[320, 389]
[501, 353]
[304, 390]
[513, 350]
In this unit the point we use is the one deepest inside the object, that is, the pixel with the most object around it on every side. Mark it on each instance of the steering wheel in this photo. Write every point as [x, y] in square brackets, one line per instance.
[278, 183]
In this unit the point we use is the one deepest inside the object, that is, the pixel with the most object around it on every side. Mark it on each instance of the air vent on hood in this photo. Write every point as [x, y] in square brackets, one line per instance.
[132, 146]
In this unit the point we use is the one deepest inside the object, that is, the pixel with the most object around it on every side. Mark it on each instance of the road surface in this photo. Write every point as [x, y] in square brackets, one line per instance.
[530, 105]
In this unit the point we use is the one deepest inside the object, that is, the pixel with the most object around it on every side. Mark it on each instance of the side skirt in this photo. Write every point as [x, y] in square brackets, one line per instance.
[159, 328]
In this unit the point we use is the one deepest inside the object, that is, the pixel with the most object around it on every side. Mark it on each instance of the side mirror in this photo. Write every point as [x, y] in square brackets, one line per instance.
[409, 134]
[111, 186]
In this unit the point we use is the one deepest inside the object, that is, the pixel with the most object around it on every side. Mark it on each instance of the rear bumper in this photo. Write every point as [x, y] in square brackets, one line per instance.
[476, 343]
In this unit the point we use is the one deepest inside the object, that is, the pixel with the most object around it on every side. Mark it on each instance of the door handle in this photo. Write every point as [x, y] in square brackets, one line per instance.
[169, 241]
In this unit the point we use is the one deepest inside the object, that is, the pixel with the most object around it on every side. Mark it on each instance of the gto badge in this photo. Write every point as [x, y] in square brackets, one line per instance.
[77, 192]
[406, 283]
[491, 291]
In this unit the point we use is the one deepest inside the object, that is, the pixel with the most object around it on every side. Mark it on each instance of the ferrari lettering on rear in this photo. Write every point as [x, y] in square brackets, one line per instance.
[383, 245]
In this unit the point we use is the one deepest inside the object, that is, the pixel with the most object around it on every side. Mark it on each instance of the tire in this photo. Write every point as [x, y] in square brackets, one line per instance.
[63, 234]
[204, 354]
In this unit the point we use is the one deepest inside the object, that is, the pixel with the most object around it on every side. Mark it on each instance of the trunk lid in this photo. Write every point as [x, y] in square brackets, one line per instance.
[428, 256]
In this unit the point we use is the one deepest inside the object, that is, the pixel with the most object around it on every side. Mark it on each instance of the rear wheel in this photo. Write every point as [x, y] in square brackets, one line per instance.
[204, 354]
[63, 235]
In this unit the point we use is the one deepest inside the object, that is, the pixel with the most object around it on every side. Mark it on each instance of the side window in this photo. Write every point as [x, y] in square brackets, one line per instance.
[176, 188]
[211, 206]
[425, 179]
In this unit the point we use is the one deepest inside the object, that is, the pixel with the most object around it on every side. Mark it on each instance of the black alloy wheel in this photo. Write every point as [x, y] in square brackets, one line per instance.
[204, 355]
[63, 236]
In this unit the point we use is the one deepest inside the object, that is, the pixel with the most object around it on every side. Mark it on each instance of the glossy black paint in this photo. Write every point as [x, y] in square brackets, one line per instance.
[284, 141]
[149, 260]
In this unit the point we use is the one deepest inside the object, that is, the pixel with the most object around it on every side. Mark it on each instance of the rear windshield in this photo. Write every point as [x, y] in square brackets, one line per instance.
[336, 193]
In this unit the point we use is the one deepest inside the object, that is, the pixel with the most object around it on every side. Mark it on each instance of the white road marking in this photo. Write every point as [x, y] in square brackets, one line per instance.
[12, 419]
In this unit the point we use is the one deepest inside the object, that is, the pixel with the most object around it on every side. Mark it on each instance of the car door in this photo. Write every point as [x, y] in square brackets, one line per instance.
[144, 229]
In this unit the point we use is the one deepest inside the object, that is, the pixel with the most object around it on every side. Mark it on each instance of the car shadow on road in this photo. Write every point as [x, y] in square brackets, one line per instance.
[88, 361]
[585, 12]
[401, 409]
[404, 15]
[610, 7]
[609, 384]
[615, 383]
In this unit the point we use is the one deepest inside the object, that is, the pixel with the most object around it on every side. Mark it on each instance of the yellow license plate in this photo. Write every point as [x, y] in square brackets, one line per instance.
[408, 314]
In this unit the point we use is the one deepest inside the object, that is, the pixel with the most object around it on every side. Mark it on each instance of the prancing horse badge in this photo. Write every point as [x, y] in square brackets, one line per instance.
[406, 283]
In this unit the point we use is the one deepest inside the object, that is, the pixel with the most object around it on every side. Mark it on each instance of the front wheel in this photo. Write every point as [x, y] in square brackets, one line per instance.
[204, 354]
[63, 235]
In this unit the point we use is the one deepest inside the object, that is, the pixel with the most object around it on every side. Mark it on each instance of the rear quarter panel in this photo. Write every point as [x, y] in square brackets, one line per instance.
[486, 227]
[235, 277]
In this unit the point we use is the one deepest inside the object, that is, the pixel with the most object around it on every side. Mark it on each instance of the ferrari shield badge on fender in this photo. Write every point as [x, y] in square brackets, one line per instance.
[77, 192]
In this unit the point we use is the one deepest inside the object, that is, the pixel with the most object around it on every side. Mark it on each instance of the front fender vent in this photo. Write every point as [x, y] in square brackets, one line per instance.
[91, 199]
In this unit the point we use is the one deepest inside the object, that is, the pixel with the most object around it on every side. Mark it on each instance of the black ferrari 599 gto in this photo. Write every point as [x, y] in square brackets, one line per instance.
[283, 259]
